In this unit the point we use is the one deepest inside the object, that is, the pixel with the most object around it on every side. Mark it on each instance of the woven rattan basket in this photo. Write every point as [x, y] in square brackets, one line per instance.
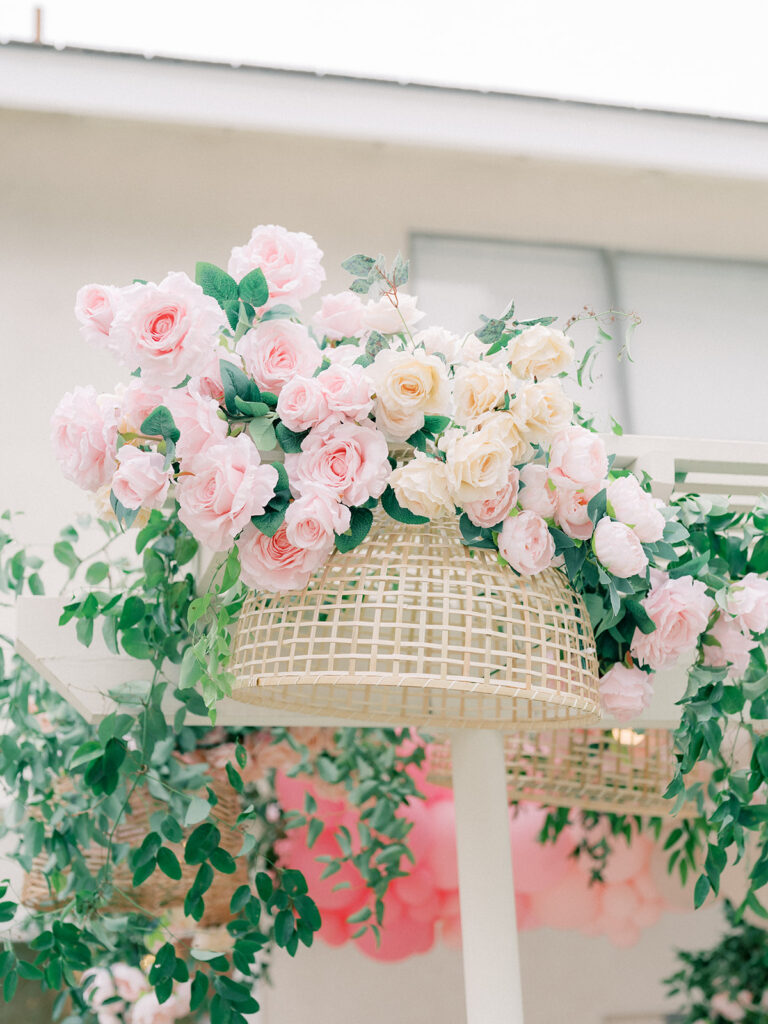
[412, 627]
[158, 893]
[626, 772]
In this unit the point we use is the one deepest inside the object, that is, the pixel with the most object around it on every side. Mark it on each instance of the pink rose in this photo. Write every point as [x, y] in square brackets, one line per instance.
[526, 543]
[618, 548]
[276, 351]
[221, 488]
[197, 419]
[635, 507]
[167, 330]
[579, 456]
[625, 692]
[140, 480]
[748, 601]
[733, 647]
[348, 391]
[343, 355]
[538, 491]
[289, 260]
[137, 400]
[571, 504]
[207, 381]
[680, 610]
[312, 520]
[349, 462]
[491, 511]
[383, 316]
[121, 980]
[95, 308]
[149, 1011]
[84, 436]
[273, 563]
[725, 1007]
[302, 404]
[340, 316]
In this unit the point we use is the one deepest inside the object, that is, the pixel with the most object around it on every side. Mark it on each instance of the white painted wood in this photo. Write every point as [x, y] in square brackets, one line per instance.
[129, 86]
[492, 982]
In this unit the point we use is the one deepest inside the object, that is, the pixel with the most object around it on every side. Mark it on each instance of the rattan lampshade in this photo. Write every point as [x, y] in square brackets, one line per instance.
[414, 628]
[622, 771]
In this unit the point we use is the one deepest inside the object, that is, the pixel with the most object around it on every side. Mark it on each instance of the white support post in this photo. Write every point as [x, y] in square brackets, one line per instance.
[492, 981]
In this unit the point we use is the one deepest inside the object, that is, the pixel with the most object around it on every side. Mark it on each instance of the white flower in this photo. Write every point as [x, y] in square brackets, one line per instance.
[421, 486]
[539, 352]
[478, 388]
[408, 385]
[383, 316]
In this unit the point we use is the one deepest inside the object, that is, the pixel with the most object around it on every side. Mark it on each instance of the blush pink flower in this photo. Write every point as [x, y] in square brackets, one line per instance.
[618, 548]
[291, 262]
[121, 983]
[340, 316]
[680, 610]
[348, 391]
[276, 351]
[312, 521]
[625, 692]
[579, 456]
[140, 481]
[84, 436]
[343, 355]
[382, 316]
[95, 309]
[493, 510]
[149, 1011]
[348, 462]
[635, 507]
[748, 602]
[221, 488]
[526, 543]
[571, 504]
[302, 403]
[197, 419]
[137, 400]
[538, 492]
[168, 330]
[207, 381]
[732, 648]
[273, 563]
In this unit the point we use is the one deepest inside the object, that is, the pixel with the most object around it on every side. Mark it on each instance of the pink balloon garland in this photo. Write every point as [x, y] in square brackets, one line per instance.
[552, 887]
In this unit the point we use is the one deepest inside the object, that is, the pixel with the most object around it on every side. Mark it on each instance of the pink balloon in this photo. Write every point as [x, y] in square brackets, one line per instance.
[524, 912]
[335, 930]
[537, 866]
[627, 859]
[624, 935]
[398, 943]
[670, 888]
[451, 932]
[416, 888]
[441, 854]
[571, 903]
[621, 902]
[649, 913]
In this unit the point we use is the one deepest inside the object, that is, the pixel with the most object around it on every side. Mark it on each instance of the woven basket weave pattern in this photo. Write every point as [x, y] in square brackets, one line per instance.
[158, 892]
[412, 626]
[584, 768]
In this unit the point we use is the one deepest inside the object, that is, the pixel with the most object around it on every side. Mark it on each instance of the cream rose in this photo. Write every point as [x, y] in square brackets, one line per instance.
[505, 427]
[543, 410]
[421, 486]
[478, 465]
[479, 388]
[408, 385]
[539, 352]
[439, 341]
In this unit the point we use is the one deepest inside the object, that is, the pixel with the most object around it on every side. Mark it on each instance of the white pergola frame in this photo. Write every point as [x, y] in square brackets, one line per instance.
[493, 984]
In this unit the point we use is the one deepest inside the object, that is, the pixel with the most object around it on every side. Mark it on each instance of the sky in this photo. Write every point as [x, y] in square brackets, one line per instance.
[693, 55]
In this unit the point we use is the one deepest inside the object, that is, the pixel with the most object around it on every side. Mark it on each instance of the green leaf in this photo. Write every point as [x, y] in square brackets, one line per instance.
[360, 524]
[271, 521]
[168, 863]
[215, 282]
[264, 885]
[289, 440]
[436, 424]
[283, 927]
[701, 891]
[239, 899]
[254, 289]
[160, 423]
[263, 434]
[759, 561]
[198, 810]
[201, 843]
[223, 861]
[85, 753]
[64, 552]
[596, 506]
[133, 612]
[251, 408]
[358, 265]
[395, 510]
[171, 829]
[96, 572]
[199, 990]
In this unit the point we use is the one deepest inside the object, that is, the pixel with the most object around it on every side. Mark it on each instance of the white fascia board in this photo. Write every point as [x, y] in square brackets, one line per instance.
[305, 104]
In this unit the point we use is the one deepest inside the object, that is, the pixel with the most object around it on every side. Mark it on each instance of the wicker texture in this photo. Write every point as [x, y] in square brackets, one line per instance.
[412, 627]
[158, 893]
[586, 768]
